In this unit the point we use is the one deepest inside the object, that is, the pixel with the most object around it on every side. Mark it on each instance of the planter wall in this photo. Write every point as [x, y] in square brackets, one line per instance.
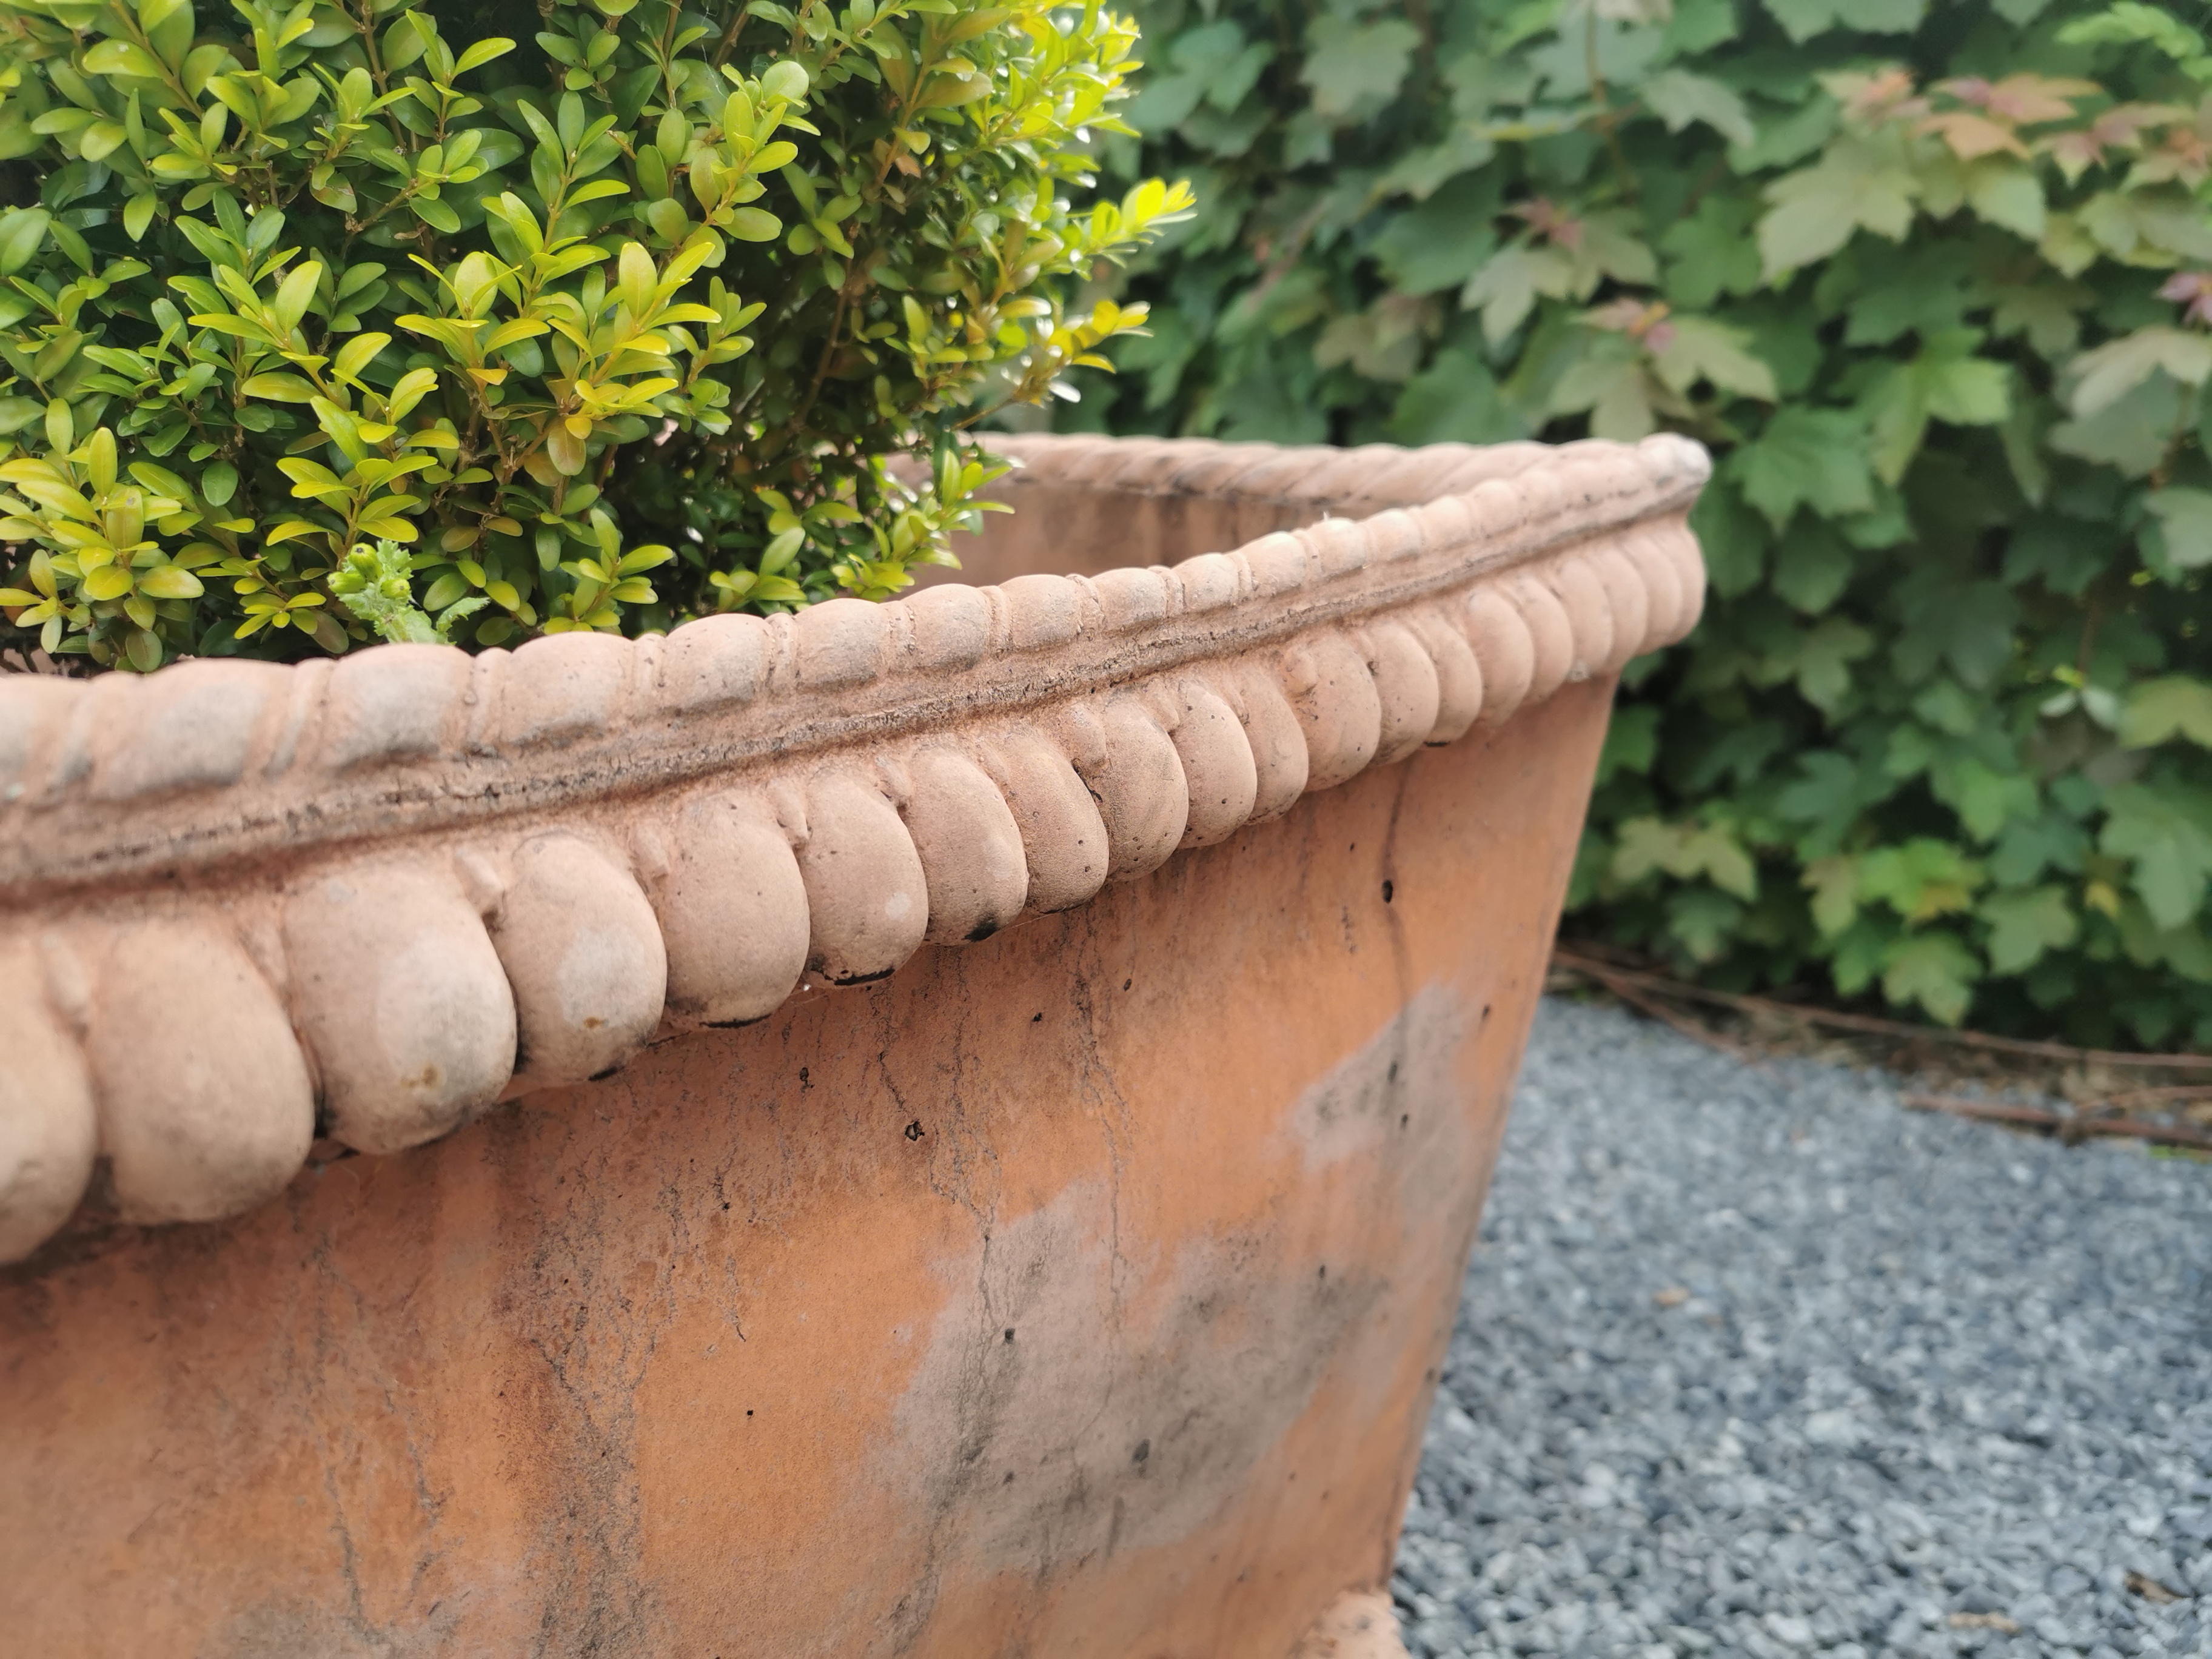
[1075, 1289]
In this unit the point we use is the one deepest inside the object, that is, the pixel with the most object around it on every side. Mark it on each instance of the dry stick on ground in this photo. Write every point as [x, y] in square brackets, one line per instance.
[1689, 1027]
[1615, 978]
[2067, 1128]
[2182, 1092]
[1640, 989]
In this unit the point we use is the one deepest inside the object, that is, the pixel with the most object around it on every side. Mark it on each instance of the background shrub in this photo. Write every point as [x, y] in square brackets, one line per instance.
[616, 326]
[1933, 282]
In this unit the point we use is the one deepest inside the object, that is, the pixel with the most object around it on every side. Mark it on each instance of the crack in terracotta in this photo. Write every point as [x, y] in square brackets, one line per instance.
[1066, 1460]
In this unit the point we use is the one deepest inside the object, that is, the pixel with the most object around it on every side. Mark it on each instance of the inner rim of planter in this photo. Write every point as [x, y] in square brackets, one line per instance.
[1077, 526]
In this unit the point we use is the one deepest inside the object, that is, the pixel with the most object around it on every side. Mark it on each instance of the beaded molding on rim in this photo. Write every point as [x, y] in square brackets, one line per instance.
[246, 904]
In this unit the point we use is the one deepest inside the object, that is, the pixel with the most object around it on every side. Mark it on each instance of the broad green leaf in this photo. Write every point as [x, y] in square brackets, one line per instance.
[2047, 312]
[1943, 382]
[1419, 173]
[2132, 434]
[1831, 788]
[2180, 538]
[2102, 377]
[1936, 971]
[1789, 137]
[2165, 831]
[2158, 711]
[1965, 391]
[1687, 852]
[1733, 538]
[2008, 193]
[1812, 564]
[1699, 348]
[1703, 921]
[1455, 400]
[1631, 743]
[1712, 253]
[2024, 926]
[1506, 288]
[1985, 799]
[1834, 884]
[2153, 225]
[2028, 847]
[1971, 625]
[1440, 243]
[1859, 183]
[1920, 880]
[1608, 243]
[1680, 96]
[1612, 43]
[1811, 458]
[1352, 66]
[1803, 19]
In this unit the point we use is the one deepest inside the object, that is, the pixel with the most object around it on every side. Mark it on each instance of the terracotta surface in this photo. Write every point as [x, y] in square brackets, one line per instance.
[713, 1358]
[1361, 1624]
[1071, 1286]
[371, 897]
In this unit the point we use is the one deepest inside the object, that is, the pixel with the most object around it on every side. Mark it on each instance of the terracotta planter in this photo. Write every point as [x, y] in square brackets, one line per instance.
[1075, 1289]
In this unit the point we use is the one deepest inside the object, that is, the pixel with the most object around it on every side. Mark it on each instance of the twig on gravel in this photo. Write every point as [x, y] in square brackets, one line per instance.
[2066, 1126]
[2150, 1590]
[1614, 978]
[2183, 1092]
[1996, 1621]
[1659, 1011]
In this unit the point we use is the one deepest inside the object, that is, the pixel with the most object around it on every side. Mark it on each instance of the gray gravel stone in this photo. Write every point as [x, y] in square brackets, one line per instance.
[1915, 1385]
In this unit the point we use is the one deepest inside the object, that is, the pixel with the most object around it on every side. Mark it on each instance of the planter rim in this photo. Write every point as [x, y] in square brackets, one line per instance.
[722, 810]
[215, 759]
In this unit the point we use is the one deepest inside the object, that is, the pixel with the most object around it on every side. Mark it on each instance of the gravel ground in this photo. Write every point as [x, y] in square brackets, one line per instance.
[1753, 1361]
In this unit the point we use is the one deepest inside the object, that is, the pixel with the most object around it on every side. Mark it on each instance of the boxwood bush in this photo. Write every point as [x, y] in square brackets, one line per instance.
[321, 326]
[1934, 280]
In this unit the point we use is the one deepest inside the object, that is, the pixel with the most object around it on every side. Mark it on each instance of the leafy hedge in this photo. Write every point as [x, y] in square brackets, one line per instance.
[1932, 283]
[304, 303]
